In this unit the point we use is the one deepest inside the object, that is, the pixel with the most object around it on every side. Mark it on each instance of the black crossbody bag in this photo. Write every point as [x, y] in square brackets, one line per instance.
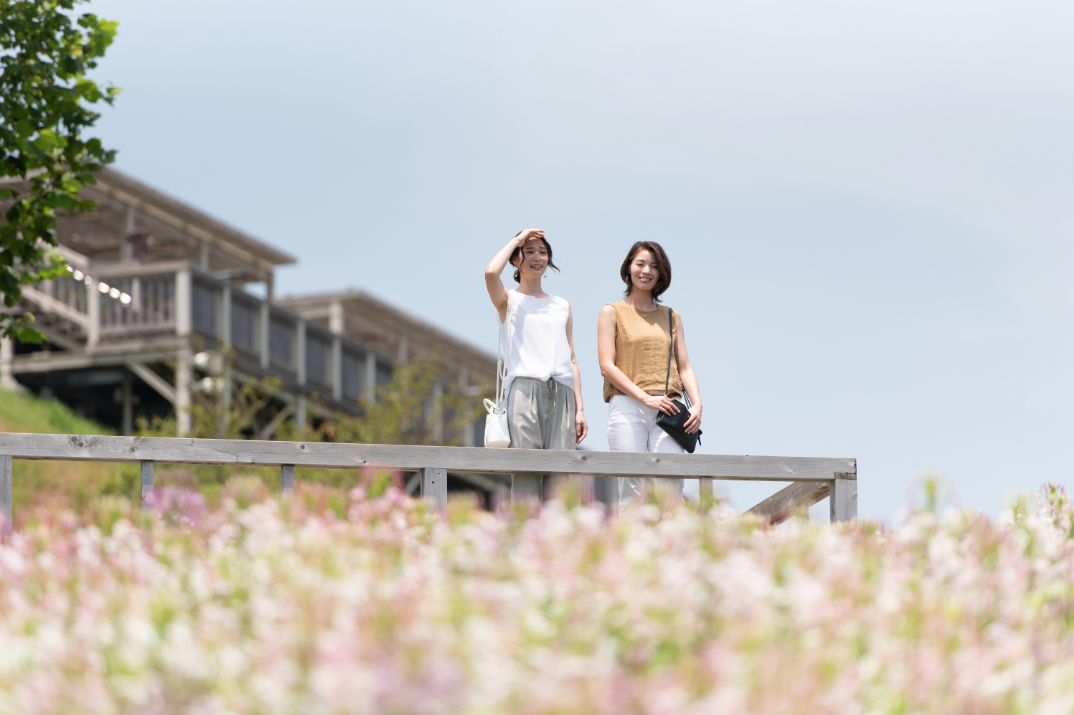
[675, 425]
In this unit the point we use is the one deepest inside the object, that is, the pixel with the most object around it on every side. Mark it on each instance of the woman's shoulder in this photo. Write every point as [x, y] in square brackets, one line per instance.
[612, 308]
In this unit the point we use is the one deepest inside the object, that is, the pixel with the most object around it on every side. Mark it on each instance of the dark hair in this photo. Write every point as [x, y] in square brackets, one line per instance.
[663, 267]
[517, 253]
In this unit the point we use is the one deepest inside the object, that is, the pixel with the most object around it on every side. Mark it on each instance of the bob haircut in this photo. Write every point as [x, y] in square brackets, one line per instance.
[517, 253]
[663, 267]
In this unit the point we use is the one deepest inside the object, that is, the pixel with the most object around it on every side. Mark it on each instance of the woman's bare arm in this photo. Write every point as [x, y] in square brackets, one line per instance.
[497, 292]
[687, 376]
[581, 427]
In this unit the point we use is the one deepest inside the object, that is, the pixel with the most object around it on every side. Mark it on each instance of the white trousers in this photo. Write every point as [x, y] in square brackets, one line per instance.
[632, 428]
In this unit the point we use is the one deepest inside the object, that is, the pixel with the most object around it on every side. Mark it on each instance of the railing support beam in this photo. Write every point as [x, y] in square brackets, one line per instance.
[287, 475]
[147, 481]
[5, 494]
[843, 499]
[704, 494]
[527, 486]
[434, 486]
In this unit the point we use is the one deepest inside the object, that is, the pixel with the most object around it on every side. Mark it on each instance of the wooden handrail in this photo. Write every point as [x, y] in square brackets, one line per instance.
[838, 476]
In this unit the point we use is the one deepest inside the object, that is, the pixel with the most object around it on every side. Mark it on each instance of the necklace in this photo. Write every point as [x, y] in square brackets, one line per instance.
[652, 310]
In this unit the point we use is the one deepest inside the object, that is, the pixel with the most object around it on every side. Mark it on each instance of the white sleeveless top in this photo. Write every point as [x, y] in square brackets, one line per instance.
[535, 334]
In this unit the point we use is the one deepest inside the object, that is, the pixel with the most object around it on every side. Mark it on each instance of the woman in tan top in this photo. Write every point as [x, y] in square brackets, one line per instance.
[633, 337]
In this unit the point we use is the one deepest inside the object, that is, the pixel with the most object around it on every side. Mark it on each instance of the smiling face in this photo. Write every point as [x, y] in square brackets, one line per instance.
[534, 258]
[644, 271]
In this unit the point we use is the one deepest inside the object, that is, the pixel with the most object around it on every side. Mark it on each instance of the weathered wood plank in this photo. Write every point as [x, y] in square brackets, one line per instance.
[844, 498]
[287, 474]
[434, 486]
[704, 494]
[147, 480]
[5, 494]
[410, 457]
[152, 379]
[783, 504]
[527, 486]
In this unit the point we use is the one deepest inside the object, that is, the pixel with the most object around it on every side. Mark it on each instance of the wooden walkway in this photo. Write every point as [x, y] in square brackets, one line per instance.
[813, 478]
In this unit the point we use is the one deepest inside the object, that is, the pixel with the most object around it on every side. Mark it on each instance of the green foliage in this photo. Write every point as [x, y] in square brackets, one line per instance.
[45, 97]
[405, 411]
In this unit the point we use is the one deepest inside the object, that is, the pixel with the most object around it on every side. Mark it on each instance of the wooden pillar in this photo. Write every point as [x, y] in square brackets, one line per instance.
[287, 474]
[270, 288]
[147, 481]
[203, 257]
[183, 375]
[300, 351]
[93, 311]
[843, 497]
[183, 303]
[335, 318]
[527, 486]
[434, 486]
[225, 315]
[403, 356]
[370, 377]
[264, 335]
[5, 494]
[337, 368]
[124, 244]
[7, 361]
[704, 492]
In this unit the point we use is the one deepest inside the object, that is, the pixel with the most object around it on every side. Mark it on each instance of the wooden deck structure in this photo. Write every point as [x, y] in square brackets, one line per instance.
[813, 478]
[155, 287]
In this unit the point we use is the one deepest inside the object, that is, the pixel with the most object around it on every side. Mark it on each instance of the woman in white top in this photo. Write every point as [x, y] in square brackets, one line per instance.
[543, 386]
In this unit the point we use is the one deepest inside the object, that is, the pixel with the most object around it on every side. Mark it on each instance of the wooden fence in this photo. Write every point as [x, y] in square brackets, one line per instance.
[814, 478]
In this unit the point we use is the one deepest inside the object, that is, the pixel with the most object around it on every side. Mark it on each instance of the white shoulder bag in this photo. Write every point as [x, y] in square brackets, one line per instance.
[497, 433]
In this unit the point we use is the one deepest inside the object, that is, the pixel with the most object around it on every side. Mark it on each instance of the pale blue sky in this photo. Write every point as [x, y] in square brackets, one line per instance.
[867, 205]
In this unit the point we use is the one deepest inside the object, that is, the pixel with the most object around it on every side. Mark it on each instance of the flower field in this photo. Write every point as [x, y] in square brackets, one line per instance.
[266, 606]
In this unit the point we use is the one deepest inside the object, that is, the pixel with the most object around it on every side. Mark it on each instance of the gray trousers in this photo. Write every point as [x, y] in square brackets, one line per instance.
[540, 415]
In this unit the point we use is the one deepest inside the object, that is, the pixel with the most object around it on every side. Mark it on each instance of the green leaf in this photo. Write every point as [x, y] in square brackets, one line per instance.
[49, 140]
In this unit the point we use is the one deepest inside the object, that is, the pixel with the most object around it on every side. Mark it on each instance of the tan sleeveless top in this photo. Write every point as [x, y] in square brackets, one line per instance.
[641, 350]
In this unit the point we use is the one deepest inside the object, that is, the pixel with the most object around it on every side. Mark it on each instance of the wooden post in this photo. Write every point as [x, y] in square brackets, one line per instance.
[147, 481]
[5, 494]
[93, 311]
[434, 486]
[7, 359]
[370, 377]
[300, 351]
[225, 315]
[843, 499]
[525, 486]
[183, 377]
[184, 312]
[287, 472]
[337, 368]
[704, 493]
[264, 335]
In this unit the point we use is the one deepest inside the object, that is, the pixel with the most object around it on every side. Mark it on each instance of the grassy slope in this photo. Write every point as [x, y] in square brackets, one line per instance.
[73, 483]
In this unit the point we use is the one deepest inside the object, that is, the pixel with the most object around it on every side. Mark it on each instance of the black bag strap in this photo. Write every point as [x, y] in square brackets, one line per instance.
[671, 347]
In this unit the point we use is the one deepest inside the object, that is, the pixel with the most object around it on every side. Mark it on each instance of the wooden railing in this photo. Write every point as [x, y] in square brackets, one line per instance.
[814, 477]
[111, 305]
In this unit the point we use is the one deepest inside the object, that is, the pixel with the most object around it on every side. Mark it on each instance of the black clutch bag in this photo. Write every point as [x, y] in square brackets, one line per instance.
[675, 425]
